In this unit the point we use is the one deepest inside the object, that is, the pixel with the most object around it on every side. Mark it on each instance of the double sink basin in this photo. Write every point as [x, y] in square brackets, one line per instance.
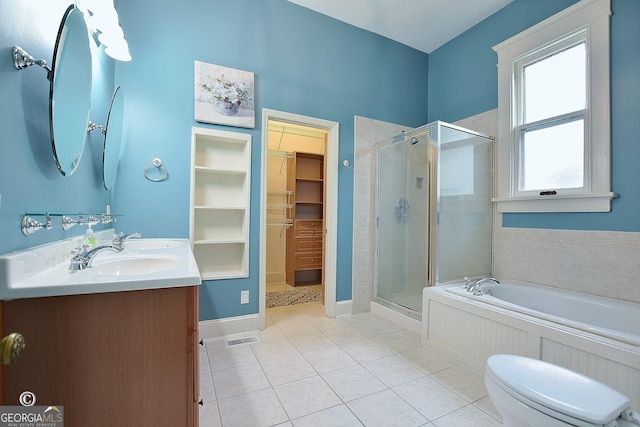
[143, 264]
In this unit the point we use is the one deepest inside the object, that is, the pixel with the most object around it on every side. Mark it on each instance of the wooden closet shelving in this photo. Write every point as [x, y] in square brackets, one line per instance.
[305, 240]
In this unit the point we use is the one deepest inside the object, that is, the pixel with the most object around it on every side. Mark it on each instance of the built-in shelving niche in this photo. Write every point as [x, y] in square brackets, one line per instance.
[220, 202]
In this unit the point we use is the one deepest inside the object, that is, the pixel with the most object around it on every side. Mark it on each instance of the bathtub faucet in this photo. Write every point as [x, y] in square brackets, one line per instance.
[475, 286]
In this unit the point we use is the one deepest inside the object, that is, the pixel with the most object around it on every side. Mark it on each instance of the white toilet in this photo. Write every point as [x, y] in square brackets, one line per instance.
[533, 393]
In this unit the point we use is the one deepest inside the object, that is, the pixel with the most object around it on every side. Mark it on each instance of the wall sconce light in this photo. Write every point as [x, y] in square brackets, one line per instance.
[102, 20]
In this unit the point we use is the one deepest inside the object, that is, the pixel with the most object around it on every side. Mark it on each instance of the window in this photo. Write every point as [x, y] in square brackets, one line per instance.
[551, 99]
[456, 170]
[553, 113]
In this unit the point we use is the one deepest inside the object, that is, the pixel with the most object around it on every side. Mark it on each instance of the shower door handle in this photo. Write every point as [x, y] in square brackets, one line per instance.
[402, 210]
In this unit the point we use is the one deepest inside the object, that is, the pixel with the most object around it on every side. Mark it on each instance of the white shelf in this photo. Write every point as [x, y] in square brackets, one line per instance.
[221, 261]
[217, 241]
[220, 202]
[204, 169]
[214, 208]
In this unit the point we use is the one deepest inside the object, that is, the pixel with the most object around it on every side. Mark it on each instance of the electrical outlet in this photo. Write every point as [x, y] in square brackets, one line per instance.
[244, 297]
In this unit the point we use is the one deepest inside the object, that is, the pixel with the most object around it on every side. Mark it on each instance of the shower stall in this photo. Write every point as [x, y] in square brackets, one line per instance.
[433, 212]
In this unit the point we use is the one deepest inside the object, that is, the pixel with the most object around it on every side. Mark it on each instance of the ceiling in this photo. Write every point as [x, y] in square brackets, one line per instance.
[424, 25]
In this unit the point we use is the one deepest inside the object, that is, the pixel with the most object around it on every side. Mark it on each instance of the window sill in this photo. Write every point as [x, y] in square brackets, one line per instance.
[573, 203]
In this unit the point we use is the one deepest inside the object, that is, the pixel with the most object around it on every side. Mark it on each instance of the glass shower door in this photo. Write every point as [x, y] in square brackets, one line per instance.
[402, 217]
[465, 210]
[434, 212]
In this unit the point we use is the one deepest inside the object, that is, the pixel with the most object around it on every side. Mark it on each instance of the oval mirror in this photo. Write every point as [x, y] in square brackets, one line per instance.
[112, 139]
[70, 91]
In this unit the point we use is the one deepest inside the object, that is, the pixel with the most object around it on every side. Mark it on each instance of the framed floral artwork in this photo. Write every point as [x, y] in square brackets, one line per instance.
[223, 95]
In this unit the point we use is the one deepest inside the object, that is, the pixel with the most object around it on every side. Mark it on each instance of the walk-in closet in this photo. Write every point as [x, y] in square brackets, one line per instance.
[295, 213]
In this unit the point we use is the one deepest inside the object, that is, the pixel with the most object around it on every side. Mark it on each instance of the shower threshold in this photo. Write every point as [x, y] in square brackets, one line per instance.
[406, 318]
[417, 315]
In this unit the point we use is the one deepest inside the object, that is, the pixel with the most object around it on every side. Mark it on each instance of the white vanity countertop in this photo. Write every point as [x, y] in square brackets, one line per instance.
[144, 264]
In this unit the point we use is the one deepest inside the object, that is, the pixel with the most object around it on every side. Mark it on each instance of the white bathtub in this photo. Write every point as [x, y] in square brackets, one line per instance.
[597, 336]
[619, 320]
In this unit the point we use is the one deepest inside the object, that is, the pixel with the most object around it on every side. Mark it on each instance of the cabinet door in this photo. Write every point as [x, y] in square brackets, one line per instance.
[113, 359]
[193, 356]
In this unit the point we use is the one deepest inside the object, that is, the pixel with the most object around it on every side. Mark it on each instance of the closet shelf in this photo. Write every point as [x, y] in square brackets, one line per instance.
[279, 206]
[280, 153]
[299, 179]
[304, 259]
[280, 225]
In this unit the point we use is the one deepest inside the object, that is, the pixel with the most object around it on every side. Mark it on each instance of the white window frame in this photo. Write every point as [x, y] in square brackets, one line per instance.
[590, 17]
[520, 126]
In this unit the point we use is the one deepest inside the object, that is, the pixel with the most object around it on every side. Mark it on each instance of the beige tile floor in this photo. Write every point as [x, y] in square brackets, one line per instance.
[310, 370]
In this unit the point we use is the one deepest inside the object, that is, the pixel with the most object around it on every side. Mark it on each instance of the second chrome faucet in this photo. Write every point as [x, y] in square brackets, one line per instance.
[120, 238]
[474, 285]
[82, 257]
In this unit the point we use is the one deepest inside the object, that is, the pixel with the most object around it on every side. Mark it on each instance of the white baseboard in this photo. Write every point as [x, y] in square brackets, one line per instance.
[218, 328]
[211, 329]
[406, 322]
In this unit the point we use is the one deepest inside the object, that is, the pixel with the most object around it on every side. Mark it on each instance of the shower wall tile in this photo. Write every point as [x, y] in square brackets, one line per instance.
[362, 297]
[485, 123]
[364, 186]
[368, 133]
[628, 288]
[362, 201]
[600, 263]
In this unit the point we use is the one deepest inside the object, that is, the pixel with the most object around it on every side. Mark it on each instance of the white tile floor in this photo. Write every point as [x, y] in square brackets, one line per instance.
[309, 370]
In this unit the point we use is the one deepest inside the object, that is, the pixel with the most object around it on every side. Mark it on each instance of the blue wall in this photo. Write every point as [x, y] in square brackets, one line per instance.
[304, 63]
[29, 180]
[463, 82]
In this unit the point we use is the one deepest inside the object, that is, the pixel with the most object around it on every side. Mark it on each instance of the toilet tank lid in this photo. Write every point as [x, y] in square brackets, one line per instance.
[558, 388]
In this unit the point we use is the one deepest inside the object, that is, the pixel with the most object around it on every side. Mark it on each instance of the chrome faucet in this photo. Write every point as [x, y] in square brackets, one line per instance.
[82, 258]
[120, 238]
[474, 286]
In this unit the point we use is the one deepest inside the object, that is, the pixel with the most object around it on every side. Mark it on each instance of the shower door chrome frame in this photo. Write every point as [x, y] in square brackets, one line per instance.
[436, 138]
[405, 138]
[433, 132]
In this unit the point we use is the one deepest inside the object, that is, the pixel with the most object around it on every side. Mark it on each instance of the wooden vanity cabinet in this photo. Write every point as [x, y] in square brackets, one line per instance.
[110, 359]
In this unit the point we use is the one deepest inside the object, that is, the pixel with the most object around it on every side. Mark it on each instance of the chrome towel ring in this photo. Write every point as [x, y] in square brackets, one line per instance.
[159, 165]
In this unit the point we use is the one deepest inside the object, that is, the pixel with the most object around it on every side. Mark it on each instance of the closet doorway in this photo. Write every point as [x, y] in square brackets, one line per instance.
[297, 262]
[295, 213]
